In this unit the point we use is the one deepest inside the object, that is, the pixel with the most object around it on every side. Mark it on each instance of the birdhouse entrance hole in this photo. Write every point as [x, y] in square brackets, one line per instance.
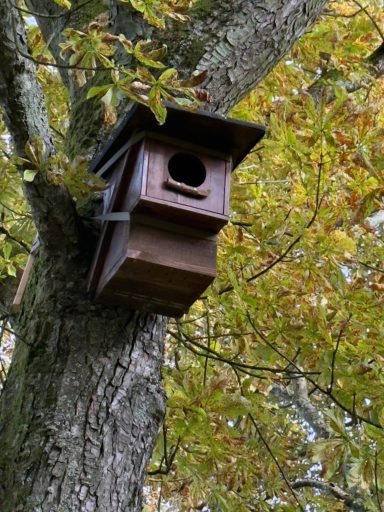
[187, 169]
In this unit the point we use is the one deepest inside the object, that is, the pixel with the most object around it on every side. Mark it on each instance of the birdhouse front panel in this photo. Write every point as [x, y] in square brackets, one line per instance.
[180, 184]
[187, 178]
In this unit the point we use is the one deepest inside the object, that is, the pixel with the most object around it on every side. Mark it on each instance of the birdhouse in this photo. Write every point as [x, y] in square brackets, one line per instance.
[167, 199]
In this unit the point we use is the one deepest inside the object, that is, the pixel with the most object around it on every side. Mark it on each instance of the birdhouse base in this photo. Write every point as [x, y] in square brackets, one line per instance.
[153, 265]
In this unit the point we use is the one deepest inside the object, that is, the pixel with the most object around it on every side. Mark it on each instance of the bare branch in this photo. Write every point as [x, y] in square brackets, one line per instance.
[374, 22]
[281, 470]
[375, 63]
[67, 13]
[371, 267]
[352, 502]
[306, 409]
[233, 362]
[325, 392]
[22, 244]
[377, 483]
[237, 54]
[340, 335]
[280, 258]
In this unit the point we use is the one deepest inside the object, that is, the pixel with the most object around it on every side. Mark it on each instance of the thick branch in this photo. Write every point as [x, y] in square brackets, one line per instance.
[299, 397]
[239, 42]
[24, 111]
[375, 64]
[306, 409]
[353, 503]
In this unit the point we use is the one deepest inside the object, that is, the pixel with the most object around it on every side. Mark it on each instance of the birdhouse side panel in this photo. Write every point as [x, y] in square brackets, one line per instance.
[113, 175]
[123, 176]
[132, 183]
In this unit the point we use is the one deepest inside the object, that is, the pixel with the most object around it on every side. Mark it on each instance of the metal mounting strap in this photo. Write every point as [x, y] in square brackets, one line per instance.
[114, 216]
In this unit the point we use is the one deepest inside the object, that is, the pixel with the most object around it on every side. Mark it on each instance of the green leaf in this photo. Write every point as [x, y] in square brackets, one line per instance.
[98, 90]
[11, 270]
[29, 175]
[7, 250]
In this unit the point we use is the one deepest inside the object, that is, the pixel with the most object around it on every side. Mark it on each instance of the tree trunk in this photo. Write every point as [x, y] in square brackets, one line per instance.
[86, 399]
[83, 401]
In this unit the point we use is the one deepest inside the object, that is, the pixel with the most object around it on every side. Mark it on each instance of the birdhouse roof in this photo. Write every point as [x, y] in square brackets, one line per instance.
[201, 128]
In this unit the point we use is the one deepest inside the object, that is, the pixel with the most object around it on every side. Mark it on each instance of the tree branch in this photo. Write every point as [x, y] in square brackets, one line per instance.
[281, 470]
[280, 258]
[238, 43]
[25, 116]
[374, 22]
[22, 244]
[340, 335]
[375, 63]
[66, 13]
[233, 362]
[325, 392]
[354, 503]
[307, 410]
[377, 491]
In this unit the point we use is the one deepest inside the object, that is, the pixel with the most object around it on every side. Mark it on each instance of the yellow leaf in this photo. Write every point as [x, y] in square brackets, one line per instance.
[66, 4]
[342, 242]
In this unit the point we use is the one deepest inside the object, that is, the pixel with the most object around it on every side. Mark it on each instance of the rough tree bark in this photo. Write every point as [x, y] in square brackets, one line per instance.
[83, 402]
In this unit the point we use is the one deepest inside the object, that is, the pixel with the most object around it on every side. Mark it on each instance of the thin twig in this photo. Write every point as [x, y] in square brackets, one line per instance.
[214, 336]
[335, 15]
[11, 237]
[67, 13]
[325, 392]
[219, 359]
[237, 364]
[58, 132]
[263, 182]
[165, 443]
[4, 319]
[208, 346]
[169, 464]
[11, 331]
[371, 267]
[280, 468]
[267, 445]
[160, 497]
[332, 489]
[19, 214]
[341, 333]
[291, 245]
[55, 64]
[354, 417]
[63, 66]
[376, 483]
[375, 24]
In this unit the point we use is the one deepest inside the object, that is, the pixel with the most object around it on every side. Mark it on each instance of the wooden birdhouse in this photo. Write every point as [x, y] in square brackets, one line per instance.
[167, 199]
